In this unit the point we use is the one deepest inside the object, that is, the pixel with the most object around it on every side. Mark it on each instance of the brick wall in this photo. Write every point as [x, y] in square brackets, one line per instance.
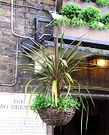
[24, 13]
[12, 78]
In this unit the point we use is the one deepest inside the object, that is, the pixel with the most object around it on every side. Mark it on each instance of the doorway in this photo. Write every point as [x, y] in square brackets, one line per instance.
[98, 121]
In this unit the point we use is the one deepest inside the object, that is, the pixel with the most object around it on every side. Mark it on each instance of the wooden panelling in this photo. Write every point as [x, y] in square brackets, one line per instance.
[95, 78]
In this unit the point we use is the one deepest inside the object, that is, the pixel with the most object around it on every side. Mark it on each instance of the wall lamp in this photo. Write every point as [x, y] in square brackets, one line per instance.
[100, 61]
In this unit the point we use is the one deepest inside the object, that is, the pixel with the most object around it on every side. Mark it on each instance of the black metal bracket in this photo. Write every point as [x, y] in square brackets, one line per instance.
[48, 34]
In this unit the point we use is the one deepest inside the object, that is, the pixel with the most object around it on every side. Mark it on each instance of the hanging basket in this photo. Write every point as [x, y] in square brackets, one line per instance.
[52, 116]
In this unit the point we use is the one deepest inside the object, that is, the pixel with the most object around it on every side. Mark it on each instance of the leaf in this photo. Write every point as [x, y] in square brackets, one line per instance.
[54, 91]
[88, 94]
[72, 53]
[64, 62]
[69, 77]
[43, 78]
[26, 88]
[33, 91]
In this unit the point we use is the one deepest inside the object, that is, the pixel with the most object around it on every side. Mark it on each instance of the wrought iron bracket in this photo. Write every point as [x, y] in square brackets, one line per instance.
[48, 34]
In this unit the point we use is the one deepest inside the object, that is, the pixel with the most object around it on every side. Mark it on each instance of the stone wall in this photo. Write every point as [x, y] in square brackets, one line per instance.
[12, 30]
[17, 22]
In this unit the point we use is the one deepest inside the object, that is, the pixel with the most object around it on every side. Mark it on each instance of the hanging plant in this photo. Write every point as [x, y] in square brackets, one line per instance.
[55, 81]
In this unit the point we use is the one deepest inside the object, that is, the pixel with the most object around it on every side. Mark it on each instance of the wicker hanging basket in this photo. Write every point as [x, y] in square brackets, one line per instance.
[52, 116]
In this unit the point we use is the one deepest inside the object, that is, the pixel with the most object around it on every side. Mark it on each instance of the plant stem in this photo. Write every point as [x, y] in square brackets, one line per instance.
[56, 55]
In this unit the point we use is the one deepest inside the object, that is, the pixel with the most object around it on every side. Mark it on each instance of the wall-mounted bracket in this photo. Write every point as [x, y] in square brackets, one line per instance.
[48, 29]
[48, 36]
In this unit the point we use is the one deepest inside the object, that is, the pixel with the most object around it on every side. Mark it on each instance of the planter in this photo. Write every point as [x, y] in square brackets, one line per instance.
[90, 34]
[52, 116]
[86, 32]
[85, 4]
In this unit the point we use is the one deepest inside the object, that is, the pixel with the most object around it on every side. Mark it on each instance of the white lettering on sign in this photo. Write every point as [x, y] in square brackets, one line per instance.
[13, 116]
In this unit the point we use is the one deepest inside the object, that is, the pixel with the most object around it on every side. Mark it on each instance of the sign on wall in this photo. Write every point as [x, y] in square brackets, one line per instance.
[13, 116]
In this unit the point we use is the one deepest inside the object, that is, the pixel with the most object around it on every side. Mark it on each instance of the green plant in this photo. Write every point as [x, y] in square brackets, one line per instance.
[77, 22]
[105, 18]
[56, 70]
[71, 10]
[90, 16]
[102, 2]
[91, 13]
[44, 101]
[97, 25]
[86, 0]
[99, 2]
[64, 21]
[56, 77]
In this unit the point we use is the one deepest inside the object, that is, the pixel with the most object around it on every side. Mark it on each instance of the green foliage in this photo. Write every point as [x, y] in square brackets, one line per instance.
[105, 19]
[87, 0]
[90, 16]
[99, 2]
[91, 13]
[77, 22]
[97, 25]
[56, 77]
[64, 21]
[42, 101]
[56, 71]
[102, 2]
[71, 10]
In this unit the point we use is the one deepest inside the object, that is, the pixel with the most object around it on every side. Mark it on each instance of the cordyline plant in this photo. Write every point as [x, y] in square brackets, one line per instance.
[56, 72]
